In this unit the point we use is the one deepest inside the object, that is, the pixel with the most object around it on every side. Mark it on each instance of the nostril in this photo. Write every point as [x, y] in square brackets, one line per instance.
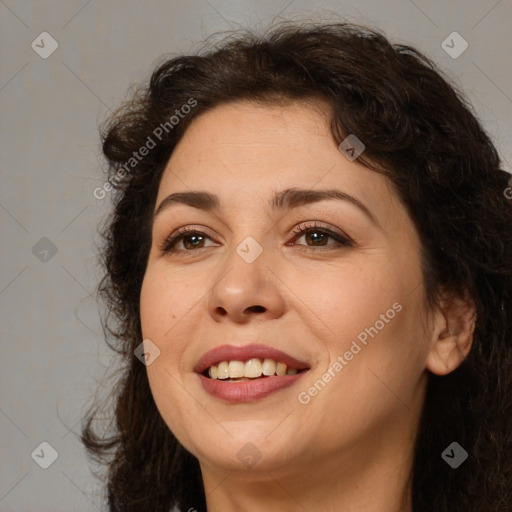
[257, 309]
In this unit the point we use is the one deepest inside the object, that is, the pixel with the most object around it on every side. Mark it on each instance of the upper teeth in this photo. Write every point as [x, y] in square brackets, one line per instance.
[250, 369]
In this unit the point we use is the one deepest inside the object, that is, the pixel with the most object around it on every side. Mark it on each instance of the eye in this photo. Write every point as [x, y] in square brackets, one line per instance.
[319, 236]
[190, 238]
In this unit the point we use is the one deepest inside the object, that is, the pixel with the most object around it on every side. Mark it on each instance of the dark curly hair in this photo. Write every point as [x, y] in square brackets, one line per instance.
[422, 134]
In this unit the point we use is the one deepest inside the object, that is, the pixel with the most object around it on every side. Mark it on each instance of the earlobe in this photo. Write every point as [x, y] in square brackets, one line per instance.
[453, 336]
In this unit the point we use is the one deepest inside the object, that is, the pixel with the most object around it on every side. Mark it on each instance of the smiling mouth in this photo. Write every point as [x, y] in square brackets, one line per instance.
[252, 369]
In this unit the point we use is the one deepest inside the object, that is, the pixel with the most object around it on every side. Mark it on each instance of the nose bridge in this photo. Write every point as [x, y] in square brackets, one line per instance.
[246, 285]
[250, 234]
[247, 262]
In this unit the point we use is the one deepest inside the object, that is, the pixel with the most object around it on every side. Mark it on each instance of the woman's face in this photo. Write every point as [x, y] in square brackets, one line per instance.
[333, 282]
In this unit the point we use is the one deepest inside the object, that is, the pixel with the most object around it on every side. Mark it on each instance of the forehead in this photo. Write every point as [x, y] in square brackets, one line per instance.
[239, 128]
[244, 151]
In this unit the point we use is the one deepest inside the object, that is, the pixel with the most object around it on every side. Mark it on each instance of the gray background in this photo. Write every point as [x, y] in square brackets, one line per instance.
[53, 353]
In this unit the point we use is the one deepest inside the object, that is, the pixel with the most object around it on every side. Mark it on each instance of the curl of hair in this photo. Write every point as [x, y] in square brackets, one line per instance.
[419, 131]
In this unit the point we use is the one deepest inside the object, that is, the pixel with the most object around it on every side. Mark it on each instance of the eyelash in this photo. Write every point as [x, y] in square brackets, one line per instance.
[301, 229]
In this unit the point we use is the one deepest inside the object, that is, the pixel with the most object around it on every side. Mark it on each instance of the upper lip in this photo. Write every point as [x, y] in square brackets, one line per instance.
[244, 353]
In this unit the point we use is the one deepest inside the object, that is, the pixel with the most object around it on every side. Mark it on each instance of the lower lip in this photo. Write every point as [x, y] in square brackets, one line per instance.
[247, 391]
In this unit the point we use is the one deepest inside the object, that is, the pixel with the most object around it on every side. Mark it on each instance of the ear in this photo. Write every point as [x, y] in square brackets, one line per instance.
[452, 336]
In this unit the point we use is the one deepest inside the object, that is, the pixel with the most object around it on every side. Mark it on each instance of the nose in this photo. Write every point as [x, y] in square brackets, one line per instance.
[245, 292]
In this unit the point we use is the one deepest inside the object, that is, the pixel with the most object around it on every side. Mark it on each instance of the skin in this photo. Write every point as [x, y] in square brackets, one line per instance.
[350, 447]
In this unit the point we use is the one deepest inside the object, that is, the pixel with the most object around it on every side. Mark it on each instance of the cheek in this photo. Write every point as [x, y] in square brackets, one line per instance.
[375, 342]
[353, 300]
[373, 384]
[383, 362]
[168, 310]
[151, 306]
[164, 303]
[160, 312]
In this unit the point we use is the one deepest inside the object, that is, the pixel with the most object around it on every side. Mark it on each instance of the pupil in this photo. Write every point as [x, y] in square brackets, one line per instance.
[192, 237]
[316, 238]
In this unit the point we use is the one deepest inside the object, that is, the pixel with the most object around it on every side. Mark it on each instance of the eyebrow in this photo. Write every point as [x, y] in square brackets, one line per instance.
[286, 199]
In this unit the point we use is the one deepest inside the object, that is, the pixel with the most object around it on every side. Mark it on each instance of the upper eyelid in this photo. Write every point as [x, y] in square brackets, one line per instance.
[312, 224]
[303, 227]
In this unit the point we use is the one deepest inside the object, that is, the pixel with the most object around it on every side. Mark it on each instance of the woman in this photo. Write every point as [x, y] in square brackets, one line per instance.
[309, 263]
